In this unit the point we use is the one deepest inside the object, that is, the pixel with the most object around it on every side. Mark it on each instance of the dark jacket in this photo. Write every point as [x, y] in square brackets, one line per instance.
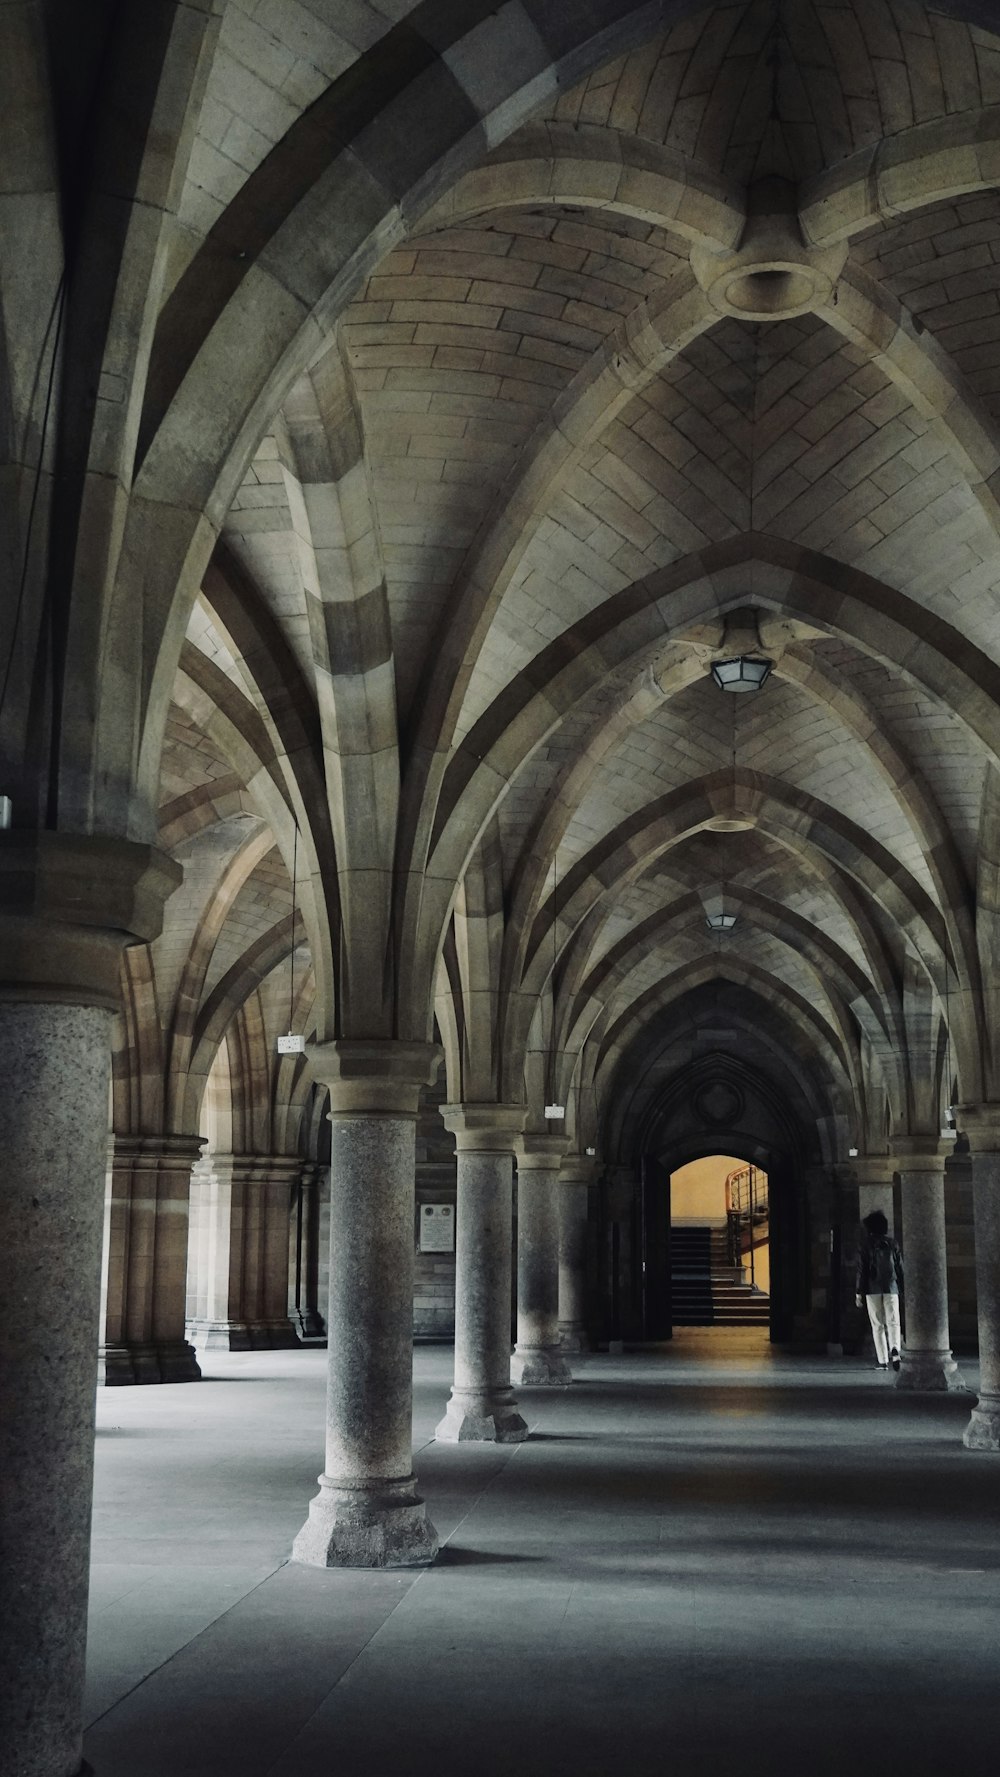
[880, 1268]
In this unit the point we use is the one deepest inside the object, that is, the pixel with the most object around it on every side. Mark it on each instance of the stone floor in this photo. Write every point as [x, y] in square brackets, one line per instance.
[705, 1555]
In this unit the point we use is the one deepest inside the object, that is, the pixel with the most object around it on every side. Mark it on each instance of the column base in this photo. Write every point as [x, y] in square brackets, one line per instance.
[930, 1372]
[382, 1525]
[243, 1335]
[279, 1334]
[983, 1429]
[221, 1335]
[482, 1419]
[541, 1368]
[311, 1325]
[573, 1336]
[125, 1366]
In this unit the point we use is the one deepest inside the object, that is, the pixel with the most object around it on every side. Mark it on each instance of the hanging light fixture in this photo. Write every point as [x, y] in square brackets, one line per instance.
[293, 1043]
[743, 665]
[554, 1112]
[720, 922]
[745, 672]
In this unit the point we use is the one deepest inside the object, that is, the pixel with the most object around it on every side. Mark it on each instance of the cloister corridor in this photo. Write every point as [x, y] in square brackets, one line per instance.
[699, 1548]
[499, 706]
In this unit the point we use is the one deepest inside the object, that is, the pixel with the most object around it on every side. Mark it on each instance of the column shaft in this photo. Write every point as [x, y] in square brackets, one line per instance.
[304, 1256]
[928, 1364]
[367, 1512]
[54, 1066]
[573, 1214]
[537, 1360]
[874, 1176]
[981, 1123]
[239, 1266]
[482, 1406]
[68, 904]
[983, 1429]
[147, 1210]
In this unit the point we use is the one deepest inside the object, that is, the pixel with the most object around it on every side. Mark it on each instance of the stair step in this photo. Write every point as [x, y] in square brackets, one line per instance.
[706, 1292]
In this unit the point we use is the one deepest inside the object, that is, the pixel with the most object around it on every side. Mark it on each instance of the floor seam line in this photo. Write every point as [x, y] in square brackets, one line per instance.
[422, 1573]
[183, 1647]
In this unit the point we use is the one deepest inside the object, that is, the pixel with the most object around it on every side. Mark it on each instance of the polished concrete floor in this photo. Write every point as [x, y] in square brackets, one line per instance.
[707, 1557]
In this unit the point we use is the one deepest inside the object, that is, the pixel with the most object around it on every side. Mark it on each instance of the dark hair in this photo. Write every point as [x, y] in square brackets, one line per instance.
[876, 1224]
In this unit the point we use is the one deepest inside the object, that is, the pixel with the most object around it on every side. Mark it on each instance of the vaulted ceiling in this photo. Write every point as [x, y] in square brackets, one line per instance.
[536, 475]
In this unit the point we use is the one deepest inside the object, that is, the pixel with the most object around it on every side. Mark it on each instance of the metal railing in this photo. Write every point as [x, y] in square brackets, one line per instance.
[747, 1212]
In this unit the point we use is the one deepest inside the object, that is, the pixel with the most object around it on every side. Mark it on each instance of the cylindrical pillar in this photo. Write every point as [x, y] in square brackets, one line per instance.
[482, 1407]
[304, 1255]
[239, 1267]
[148, 1197]
[537, 1360]
[575, 1177]
[927, 1361]
[59, 987]
[874, 1176]
[54, 1064]
[981, 1123]
[367, 1512]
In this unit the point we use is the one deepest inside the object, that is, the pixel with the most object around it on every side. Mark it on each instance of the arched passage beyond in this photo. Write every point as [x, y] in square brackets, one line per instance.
[720, 1104]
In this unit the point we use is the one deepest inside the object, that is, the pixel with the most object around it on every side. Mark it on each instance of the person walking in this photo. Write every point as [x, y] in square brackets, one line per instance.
[879, 1282]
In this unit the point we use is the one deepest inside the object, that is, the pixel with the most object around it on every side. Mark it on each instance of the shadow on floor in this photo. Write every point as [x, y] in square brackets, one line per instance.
[450, 1556]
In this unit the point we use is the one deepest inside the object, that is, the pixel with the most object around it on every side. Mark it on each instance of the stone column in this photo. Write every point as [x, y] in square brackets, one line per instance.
[537, 1361]
[619, 1197]
[367, 1512]
[148, 1194]
[981, 1123]
[304, 1255]
[482, 1406]
[575, 1177]
[240, 1271]
[67, 906]
[927, 1364]
[874, 1176]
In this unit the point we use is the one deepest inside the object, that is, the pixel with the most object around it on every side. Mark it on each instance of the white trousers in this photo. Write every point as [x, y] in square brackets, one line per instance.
[883, 1312]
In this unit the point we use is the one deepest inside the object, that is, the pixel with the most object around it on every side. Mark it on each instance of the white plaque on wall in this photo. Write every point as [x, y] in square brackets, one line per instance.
[437, 1228]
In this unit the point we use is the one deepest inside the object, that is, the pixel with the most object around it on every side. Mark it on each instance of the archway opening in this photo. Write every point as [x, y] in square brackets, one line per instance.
[720, 1264]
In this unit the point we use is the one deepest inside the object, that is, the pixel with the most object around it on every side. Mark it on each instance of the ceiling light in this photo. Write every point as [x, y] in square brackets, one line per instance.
[720, 922]
[746, 672]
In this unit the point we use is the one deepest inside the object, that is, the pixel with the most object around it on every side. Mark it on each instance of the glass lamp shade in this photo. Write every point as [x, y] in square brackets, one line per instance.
[745, 673]
[720, 922]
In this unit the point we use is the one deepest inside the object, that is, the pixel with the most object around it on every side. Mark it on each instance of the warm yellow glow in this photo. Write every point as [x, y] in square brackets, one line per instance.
[698, 1190]
[698, 1195]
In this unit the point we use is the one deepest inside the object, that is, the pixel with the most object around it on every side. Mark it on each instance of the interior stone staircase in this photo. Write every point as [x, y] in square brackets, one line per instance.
[707, 1290]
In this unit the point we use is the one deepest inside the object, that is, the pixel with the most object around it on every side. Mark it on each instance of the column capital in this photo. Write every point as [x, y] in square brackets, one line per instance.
[577, 1169]
[920, 1153]
[69, 904]
[981, 1124]
[873, 1169]
[540, 1153]
[156, 1150]
[249, 1165]
[484, 1128]
[373, 1076]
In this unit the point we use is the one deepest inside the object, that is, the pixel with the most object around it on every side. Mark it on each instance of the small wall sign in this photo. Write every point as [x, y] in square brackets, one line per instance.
[437, 1227]
[291, 1045]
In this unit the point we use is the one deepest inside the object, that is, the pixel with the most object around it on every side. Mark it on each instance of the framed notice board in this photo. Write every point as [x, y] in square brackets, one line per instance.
[437, 1227]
